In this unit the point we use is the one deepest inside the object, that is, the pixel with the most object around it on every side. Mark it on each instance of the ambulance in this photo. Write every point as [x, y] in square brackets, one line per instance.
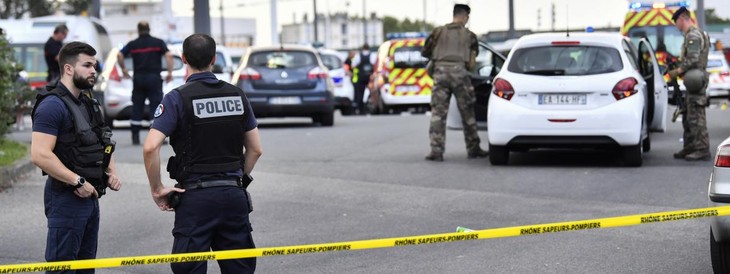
[654, 21]
[399, 80]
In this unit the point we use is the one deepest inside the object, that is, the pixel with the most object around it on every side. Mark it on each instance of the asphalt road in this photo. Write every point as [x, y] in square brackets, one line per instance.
[365, 178]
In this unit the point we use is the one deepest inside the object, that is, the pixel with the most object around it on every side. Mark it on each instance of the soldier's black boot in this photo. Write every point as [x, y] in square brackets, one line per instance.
[477, 154]
[698, 156]
[433, 156]
[680, 154]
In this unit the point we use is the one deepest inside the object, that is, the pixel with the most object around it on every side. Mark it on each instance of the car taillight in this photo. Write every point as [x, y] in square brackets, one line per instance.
[316, 73]
[723, 156]
[625, 88]
[114, 75]
[503, 89]
[725, 73]
[249, 74]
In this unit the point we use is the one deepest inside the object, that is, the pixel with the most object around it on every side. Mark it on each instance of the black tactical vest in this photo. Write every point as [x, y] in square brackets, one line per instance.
[364, 68]
[87, 149]
[216, 117]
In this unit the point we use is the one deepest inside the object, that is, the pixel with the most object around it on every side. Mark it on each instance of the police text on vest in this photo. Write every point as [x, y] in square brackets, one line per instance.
[217, 107]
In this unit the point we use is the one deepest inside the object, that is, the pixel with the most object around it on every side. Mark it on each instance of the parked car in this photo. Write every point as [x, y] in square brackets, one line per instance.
[344, 91]
[719, 70]
[719, 195]
[592, 90]
[287, 81]
[28, 37]
[117, 91]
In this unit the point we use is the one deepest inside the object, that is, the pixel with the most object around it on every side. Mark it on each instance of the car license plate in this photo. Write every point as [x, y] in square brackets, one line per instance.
[292, 100]
[562, 99]
[407, 88]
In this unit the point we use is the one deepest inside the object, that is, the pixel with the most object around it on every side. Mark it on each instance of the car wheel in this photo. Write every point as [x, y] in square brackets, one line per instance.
[646, 144]
[498, 155]
[720, 253]
[633, 155]
[327, 119]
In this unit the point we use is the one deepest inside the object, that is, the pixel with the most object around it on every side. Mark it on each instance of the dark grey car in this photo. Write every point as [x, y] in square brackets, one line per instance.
[287, 81]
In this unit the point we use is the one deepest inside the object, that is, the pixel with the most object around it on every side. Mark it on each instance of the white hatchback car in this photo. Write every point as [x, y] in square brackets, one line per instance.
[719, 194]
[719, 70]
[344, 91]
[592, 90]
[117, 91]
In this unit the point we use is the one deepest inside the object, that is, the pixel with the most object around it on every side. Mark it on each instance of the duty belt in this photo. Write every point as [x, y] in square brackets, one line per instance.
[211, 183]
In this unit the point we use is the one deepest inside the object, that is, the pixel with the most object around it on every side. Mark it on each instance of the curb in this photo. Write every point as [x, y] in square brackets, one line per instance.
[10, 174]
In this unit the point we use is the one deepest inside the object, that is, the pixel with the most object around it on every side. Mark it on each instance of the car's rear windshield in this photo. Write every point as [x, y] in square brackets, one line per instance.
[714, 63]
[331, 61]
[565, 60]
[282, 59]
[408, 57]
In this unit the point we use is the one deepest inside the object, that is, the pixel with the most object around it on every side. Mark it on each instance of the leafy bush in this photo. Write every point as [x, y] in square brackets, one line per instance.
[15, 95]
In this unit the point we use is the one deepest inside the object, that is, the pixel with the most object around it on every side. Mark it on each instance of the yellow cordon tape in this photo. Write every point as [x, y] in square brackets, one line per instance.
[467, 235]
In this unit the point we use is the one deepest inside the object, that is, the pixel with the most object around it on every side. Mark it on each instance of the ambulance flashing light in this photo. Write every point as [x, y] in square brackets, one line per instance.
[657, 5]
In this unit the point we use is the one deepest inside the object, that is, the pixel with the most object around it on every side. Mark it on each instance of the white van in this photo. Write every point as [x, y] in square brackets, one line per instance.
[28, 37]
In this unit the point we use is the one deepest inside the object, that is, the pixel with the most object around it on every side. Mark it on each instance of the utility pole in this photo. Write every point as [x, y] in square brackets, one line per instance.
[423, 27]
[96, 8]
[511, 32]
[316, 23]
[201, 17]
[274, 23]
[364, 24]
[539, 18]
[223, 29]
[700, 12]
[552, 16]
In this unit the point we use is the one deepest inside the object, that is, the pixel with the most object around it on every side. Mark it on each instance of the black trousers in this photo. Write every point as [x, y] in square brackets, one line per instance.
[147, 86]
[359, 94]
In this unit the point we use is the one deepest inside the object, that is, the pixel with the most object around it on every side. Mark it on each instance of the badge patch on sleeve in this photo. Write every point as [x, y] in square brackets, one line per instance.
[160, 109]
[693, 45]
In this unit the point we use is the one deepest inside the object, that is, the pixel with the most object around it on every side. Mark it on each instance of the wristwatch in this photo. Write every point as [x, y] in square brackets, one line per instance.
[80, 182]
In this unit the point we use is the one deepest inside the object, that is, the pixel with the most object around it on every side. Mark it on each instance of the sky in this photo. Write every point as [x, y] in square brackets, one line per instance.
[486, 15]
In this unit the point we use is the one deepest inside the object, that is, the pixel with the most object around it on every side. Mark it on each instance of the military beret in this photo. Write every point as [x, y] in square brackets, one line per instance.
[462, 7]
[679, 12]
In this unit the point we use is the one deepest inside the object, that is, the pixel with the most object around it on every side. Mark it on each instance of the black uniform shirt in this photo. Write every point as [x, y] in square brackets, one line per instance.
[147, 52]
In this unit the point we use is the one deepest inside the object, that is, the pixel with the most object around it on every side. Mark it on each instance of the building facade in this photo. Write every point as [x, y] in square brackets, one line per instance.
[336, 31]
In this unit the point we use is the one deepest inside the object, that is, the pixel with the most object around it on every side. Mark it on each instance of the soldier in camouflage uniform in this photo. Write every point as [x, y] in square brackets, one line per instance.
[452, 49]
[694, 57]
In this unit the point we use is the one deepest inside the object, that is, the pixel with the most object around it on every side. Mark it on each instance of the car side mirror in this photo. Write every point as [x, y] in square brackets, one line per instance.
[217, 69]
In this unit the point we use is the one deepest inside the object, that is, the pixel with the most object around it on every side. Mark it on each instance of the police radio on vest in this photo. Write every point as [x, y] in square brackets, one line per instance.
[218, 107]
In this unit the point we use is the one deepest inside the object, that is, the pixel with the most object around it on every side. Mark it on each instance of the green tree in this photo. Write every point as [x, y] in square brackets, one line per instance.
[18, 8]
[77, 7]
[392, 24]
[712, 18]
[10, 89]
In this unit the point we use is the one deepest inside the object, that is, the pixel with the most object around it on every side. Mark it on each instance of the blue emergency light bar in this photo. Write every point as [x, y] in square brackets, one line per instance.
[404, 35]
[657, 5]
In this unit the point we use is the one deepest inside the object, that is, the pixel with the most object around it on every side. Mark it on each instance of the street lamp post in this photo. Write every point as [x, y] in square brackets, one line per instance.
[223, 30]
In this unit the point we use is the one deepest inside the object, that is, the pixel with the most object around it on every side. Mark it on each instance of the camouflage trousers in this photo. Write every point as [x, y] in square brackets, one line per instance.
[694, 121]
[448, 80]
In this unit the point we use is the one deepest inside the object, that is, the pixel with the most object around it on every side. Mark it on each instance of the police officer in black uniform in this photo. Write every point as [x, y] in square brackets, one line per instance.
[147, 52]
[363, 68]
[209, 123]
[73, 147]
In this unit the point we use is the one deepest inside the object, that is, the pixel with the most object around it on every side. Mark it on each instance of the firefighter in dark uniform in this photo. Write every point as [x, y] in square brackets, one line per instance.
[209, 123]
[147, 52]
[73, 147]
[363, 68]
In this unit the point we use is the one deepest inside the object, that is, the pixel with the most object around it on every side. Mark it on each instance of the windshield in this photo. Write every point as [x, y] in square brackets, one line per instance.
[331, 61]
[282, 59]
[714, 63]
[662, 38]
[569, 60]
[32, 59]
[409, 57]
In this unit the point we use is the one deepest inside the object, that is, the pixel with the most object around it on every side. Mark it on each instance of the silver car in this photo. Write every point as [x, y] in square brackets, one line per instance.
[719, 193]
[115, 91]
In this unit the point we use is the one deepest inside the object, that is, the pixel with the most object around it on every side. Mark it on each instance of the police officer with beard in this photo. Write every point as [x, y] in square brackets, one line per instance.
[209, 123]
[452, 49]
[693, 65]
[73, 147]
